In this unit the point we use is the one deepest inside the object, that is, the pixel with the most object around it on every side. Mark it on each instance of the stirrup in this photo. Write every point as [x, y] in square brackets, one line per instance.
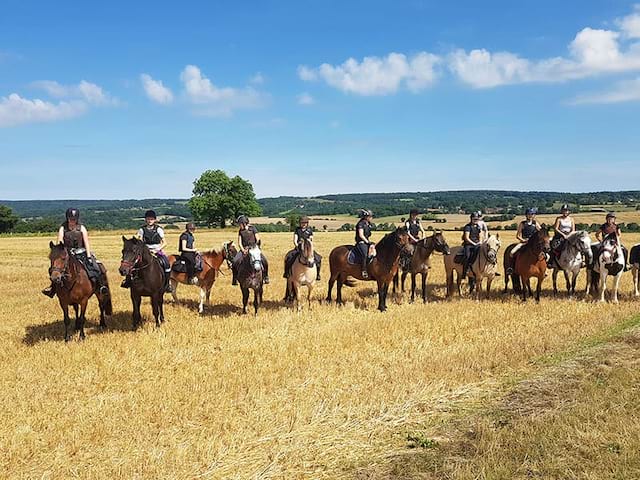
[365, 274]
[103, 290]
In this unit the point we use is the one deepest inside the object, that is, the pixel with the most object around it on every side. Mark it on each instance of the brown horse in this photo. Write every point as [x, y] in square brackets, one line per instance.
[420, 263]
[249, 276]
[303, 273]
[211, 262]
[147, 278]
[73, 287]
[530, 262]
[382, 269]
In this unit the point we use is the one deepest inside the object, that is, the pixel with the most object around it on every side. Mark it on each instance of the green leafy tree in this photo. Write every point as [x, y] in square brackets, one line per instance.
[7, 219]
[218, 198]
[293, 219]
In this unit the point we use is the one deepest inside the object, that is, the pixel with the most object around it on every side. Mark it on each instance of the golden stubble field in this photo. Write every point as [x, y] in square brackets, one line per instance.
[327, 393]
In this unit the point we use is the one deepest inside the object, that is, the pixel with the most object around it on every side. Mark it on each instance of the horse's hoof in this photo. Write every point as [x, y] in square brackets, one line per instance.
[67, 338]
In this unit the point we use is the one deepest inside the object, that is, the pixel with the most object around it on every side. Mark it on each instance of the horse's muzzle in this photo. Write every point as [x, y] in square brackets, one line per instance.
[56, 277]
[257, 266]
[124, 270]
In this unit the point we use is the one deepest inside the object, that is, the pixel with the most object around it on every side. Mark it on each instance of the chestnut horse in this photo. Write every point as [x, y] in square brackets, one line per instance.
[634, 261]
[211, 262]
[73, 287]
[382, 269]
[420, 263]
[147, 278]
[303, 273]
[530, 262]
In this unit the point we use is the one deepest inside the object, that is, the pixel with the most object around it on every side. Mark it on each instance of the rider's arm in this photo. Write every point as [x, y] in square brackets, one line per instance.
[295, 240]
[61, 235]
[240, 244]
[163, 242]
[538, 226]
[258, 241]
[484, 233]
[422, 231]
[183, 244]
[573, 225]
[556, 227]
[467, 238]
[139, 234]
[85, 238]
[519, 233]
[361, 235]
[599, 234]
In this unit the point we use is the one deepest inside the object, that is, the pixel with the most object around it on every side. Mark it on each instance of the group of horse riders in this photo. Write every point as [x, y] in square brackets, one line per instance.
[75, 238]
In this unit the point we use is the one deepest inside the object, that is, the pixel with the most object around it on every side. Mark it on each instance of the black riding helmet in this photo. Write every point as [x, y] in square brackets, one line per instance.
[414, 211]
[150, 214]
[304, 219]
[364, 213]
[564, 208]
[242, 220]
[531, 211]
[611, 215]
[72, 214]
[474, 216]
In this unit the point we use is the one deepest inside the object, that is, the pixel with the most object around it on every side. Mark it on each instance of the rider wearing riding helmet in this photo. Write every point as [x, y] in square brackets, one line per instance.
[472, 237]
[152, 235]
[363, 233]
[75, 238]
[302, 232]
[526, 229]
[416, 232]
[248, 237]
[563, 227]
[188, 251]
[611, 227]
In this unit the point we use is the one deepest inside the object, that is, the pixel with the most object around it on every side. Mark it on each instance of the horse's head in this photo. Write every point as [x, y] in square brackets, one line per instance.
[255, 257]
[132, 251]
[59, 257]
[440, 244]
[306, 252]
[609, 252]
[582, 241]
[230, 251]
[493, 244]
[541, 239]
[402, 236]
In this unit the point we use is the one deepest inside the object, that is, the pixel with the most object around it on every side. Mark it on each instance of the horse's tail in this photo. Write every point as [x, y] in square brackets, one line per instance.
[515, 281]
[107, 305]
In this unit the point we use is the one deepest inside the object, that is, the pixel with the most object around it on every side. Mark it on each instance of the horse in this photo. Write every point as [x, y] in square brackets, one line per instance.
[420, 263]
[634, 260]
[531, 262]
[608, 260]
[382, 268]
[575, 252]
[484, 266]
[249, 276]
[73, 287]
[211, 263]
[147, 278]
[303, 273]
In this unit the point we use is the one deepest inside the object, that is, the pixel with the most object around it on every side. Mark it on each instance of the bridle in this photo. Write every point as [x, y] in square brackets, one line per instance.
[306, 260]
[227, 254]
[64, 271]
[132, 266]
[491, 254]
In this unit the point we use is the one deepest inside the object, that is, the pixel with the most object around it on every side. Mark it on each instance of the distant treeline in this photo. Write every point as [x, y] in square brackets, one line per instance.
[496, 201]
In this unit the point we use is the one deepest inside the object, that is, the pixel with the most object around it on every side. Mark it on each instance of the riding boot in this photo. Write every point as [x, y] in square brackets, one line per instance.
[49, 291]
[365, 274]
[318, 260]
[101, 287]
[234, 279]
[167, 285]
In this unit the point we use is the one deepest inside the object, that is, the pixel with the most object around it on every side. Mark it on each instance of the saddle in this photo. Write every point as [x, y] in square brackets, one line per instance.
[354, 257]
[459, 258]
[180, 265]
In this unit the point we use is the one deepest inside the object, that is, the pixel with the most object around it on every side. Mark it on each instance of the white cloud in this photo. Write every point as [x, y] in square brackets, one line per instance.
[87, 91]
[16, 110]
[217, 101]
[630, 25]
[257, 79]
[155, 90]
[375, 75]
[625, 91]
[305, 99]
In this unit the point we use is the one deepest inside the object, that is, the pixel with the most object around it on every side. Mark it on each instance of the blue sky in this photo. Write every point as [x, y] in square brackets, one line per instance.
[136, 99]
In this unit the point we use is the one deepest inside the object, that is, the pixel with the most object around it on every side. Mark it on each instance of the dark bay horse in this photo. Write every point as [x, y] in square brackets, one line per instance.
[147, 278]
[211, 262]
[530, 262]
[382, 269]
[73, 287]
[420, 263]
[249, 276]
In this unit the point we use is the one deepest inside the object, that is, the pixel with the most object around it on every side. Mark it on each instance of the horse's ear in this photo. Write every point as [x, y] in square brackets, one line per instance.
[124, 238]
[51, 245]
[498, 236]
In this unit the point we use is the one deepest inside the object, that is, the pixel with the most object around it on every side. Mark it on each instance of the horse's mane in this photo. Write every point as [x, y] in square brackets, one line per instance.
[213, 251]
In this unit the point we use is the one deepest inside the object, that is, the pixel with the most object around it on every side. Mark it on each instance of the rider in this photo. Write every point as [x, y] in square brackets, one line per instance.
[75, 237]
[188, 252]
[563, 227]
[152, 235]
[302, 232]
[363, 232]
[248, 237]
[526, 229]
[482, 225]
[610, 226]
[416, 232]
[472, 237]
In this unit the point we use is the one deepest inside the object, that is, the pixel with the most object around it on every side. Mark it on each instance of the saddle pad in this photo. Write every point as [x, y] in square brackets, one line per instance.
[179, 266]
[354, 257]
[459, 258]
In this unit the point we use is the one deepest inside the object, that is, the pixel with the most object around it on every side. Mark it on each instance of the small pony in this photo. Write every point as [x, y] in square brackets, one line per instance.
[303, 273]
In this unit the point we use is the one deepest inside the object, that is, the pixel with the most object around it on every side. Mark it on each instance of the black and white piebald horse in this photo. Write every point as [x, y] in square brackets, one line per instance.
[634, 260]
[575, 253]
[608, 259]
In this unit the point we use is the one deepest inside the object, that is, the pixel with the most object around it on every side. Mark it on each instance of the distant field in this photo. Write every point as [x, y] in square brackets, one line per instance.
[330, 393]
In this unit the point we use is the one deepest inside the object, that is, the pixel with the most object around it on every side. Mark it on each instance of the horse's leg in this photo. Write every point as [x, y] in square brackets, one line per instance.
[245, 299]
[339, 291]
[298, 293]
[174, 289]
[525, 282]
[257, 298]
[203, 294]
[424, 286]
[588, 287]
[396, 281]
[155, 305]
[567, 281]
[404, 277]
[506, 281]
[616, 282]
[603, 283]
[554, 276]
[382, 295]
[135, 300]
[636, 281]
[161, 305]
[478, 288]
[67, 319]
[449, 284]
[413, 285]
[489, 282]
[309, 291]
[574, 280]
[459, 282]
[330, 288]
[538, 289]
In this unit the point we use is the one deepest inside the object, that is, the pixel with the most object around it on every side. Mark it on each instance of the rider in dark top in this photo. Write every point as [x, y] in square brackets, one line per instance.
[248, 237]
[75, 238]
[188, 252]
[526, 229]
[302, 232]
[363, 233]
[471, 240]
[416, 232]
[611, 227]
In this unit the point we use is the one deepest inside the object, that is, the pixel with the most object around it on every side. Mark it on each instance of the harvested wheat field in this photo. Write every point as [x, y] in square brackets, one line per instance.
[328, 393]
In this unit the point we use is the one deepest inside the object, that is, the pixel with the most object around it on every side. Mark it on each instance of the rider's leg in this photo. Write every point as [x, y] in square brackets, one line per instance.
[363, 248]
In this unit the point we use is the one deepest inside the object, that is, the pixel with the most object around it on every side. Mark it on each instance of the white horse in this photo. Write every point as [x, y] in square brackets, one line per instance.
[484, 266]
[634, 260]
[575, 253]
[608, 260]
[304, 272]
